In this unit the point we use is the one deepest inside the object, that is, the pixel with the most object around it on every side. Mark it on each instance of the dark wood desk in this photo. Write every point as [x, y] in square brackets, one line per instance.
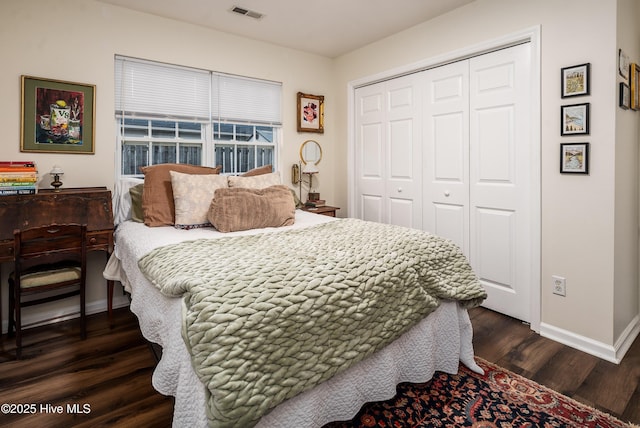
[85, 205]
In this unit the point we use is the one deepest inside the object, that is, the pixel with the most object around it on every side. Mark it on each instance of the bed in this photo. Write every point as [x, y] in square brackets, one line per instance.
[436, 342]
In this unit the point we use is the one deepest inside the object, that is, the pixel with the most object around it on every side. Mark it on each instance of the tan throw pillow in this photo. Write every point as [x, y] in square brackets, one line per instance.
[266, 169]
[235, 209]
[135, 193]
[157, 195]
[192, 195]
[255, 182]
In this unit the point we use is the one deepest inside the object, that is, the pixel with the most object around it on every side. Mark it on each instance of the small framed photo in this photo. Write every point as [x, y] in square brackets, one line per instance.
[57, 116]
[625, 96]
[310, 113]
[574, 119]
[575, 80]
[623, 64]
[635, 89]
[574, 158]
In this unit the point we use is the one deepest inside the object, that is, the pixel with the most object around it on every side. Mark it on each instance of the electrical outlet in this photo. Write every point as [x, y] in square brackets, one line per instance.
[559, 285]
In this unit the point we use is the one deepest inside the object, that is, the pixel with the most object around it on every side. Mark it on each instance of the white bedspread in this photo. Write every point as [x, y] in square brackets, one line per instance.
[437, 343]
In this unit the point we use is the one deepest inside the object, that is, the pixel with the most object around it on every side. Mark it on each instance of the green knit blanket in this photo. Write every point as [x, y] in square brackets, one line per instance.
[271, 315]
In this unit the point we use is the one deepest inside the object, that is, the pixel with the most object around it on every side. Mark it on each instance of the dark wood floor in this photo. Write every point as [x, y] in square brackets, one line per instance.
[613, 388]
[111, 372]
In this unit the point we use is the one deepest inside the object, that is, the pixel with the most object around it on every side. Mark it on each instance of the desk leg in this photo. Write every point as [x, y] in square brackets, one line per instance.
[110, 285]
[1, 335]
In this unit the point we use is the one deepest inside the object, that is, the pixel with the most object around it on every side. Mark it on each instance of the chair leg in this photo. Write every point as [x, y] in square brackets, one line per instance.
[16, 302]
[83, 318]
[10, 315]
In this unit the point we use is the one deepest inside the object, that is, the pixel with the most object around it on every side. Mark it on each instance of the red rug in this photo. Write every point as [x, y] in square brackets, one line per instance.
[497, 399]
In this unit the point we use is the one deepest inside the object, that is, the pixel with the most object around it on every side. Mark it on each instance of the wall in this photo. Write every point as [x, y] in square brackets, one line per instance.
[579, 214]
[626, 292]
[76, 41]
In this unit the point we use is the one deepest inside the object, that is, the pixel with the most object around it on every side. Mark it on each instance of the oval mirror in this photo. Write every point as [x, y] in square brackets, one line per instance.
[311, 152]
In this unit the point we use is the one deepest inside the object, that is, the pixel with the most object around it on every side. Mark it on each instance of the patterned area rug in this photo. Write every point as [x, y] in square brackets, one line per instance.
[497, 399]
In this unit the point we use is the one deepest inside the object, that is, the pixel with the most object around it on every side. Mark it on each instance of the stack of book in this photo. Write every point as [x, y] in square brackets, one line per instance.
[18, 178]
[316, 204]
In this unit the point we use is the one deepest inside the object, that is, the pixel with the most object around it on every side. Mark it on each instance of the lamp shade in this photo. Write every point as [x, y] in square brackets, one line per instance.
[56, 170]
[310, 168]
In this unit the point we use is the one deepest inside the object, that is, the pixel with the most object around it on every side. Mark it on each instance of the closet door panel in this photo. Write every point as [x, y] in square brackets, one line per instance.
[500, 178]
[403, 183]
[446, 152]
[388, 152]
[495, 238]
[370, 162]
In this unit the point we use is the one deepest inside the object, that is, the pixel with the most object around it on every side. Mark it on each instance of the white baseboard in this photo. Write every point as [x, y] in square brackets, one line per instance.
[62, 314]
[607, 352]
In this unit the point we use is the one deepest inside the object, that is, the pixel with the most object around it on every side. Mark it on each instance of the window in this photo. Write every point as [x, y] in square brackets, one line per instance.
[170, 114]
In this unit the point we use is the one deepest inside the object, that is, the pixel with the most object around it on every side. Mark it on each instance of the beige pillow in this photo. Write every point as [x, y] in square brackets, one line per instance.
[235, 209]
[157, 194]
[192, 195]
[255, 182]
[266, 169]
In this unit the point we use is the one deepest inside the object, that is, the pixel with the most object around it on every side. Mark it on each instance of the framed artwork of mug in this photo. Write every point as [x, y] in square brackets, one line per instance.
[57, 116]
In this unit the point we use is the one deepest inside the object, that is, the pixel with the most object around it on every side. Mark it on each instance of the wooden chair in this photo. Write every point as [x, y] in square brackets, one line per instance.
[49, 259]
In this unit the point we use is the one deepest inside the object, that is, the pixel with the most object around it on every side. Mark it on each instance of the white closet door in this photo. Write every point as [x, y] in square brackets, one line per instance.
[388, 149]
[500, 178]
[448, 150]
[446, 153]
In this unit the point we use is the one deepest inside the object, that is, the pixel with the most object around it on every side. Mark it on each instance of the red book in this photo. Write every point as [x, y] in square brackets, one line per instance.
[17, 163]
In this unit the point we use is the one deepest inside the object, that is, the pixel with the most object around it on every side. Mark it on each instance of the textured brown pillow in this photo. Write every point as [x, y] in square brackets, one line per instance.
[157, 195]
[266, 169]
[239, 208]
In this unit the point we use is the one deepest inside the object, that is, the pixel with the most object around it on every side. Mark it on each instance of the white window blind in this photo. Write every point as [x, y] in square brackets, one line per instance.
[161, 90]
[241, 99]
[146, 88]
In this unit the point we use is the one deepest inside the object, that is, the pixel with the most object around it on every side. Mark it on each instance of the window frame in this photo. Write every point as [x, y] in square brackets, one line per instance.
[128, 84]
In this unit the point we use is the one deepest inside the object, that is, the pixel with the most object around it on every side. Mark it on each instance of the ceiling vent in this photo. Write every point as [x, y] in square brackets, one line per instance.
[246, 12]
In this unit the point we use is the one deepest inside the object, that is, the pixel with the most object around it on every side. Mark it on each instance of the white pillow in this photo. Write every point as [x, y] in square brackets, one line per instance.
[261, 181]
[192, 195]
[121, 200]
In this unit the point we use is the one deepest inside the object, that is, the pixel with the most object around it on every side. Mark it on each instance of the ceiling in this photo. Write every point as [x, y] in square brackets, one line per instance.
[328, 27]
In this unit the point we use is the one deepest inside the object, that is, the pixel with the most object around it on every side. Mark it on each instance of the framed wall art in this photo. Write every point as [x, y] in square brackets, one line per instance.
[57, 116]
[623, 64]
[310, 113]
[575, 80]
[634, 73]
[574, 158]
[624, 96]
[574, 119]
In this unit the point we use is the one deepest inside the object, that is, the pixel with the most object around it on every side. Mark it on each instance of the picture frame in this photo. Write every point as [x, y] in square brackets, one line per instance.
[576, 80]
[634, 74]
[574, 119]
[624, 96]
[57, 116]
[310, 113]
[623, 64]
[574, 158]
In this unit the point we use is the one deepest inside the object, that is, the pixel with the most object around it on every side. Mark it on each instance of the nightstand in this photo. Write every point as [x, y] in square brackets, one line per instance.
[326, 210]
